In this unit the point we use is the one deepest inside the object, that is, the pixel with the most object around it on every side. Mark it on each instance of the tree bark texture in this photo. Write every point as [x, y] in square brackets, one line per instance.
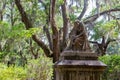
[55, 31]
[65, 25]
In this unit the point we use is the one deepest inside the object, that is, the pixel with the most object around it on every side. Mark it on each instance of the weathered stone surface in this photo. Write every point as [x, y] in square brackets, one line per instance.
[78, 62]
[78, 55]
[79, 66]
[78, 38]
[77, 75]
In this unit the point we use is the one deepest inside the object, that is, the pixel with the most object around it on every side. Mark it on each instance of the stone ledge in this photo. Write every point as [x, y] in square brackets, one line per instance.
[79, 55]
[81, 65]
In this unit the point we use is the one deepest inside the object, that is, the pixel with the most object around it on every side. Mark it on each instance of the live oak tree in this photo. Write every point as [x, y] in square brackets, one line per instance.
[55, 20]
[69, 12]
[27, 26]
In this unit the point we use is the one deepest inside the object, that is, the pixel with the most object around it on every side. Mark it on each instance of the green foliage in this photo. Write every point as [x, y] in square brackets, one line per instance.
[59, 19]
[16, 32]
[113, 66]
[37, 69]
[36, 12]
[14, 42]
[114, 48]
[59, 2]
[24, 33]
[105, 28]
[2, 55]
[72, 17]
[40, 69]
[12, 73]
[4, 29]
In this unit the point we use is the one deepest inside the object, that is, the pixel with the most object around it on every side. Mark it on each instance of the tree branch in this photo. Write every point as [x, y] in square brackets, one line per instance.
[23, 14]
[84, 10]
[102, 47]
[65, 25]
[94, 42]
[46, 30]
[28, 25]
[46, 26]
[109, 41]
[42, 45]
[94, 17]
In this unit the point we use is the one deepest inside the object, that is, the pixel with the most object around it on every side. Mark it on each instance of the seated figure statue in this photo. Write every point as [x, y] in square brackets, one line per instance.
[78, 38]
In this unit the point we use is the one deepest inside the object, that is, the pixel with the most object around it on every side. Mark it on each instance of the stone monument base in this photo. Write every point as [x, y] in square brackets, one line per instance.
[79, 66]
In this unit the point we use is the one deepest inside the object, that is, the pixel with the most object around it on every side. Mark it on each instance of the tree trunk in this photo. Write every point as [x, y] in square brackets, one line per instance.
[65, 26]
[55, 31]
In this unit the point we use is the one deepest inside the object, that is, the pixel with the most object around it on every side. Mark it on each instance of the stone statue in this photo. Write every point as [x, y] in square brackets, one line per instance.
[78, 38]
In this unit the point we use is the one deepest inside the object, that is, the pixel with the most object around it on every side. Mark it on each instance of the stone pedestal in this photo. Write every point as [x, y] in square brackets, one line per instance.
[75, 65]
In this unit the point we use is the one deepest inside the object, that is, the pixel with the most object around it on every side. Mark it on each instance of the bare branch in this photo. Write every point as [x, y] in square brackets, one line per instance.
[84, 10]
[94, 17]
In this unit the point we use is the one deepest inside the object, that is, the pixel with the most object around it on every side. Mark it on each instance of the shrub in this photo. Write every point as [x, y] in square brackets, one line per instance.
[36, 69]
[40, 69]
[12, 73]
[112, 71]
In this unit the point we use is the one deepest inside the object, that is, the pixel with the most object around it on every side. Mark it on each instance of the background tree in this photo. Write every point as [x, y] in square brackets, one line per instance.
[28, 27]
